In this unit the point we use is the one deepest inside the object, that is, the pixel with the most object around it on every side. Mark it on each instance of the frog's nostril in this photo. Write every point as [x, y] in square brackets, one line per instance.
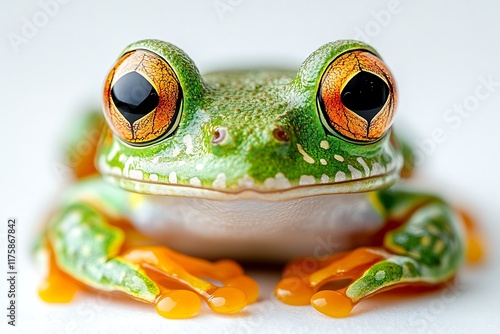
[281, 134]
[219, 136]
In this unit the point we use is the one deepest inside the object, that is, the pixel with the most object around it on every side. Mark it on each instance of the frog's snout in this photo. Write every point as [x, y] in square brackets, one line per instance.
[224, 137]
[266, 141]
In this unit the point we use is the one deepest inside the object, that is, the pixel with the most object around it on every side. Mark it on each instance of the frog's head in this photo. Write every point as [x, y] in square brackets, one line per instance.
[249, 134]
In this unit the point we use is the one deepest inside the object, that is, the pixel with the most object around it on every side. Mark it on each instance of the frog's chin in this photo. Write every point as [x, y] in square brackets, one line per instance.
[280, 194]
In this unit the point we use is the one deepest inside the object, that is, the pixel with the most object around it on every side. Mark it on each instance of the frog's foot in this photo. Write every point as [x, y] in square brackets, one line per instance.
[237, 291]
[340, 282]
[426, 248]
[89, 250]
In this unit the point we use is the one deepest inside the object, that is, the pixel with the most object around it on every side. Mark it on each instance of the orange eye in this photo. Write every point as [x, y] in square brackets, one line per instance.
[142, 98]
[357, 97]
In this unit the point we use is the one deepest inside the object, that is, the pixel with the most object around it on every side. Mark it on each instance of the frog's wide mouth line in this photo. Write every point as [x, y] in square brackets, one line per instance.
[366, 184]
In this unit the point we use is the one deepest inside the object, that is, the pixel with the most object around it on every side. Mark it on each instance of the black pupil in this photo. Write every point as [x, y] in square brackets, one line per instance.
[134, 96]
[365, 94]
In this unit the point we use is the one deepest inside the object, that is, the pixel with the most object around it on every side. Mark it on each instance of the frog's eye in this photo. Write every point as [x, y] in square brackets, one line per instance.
[357, 97]
[142, 98]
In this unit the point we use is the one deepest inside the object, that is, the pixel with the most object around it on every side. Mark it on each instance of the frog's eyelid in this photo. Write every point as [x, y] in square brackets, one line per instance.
[184, 67]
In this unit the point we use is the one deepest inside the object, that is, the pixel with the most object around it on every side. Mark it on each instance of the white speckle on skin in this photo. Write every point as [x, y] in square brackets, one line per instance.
[380, 275]
[323, 162]
[176, 151]
[181, 163]
[364, 165]
[112, 153]
[355, 174]
[377, 169]
[136, 174]
[126, 166]
[339, 158]
[194, 181]
[153, 177]
[306, 180]
[282, 181]
[340, 176]
[246, 181]
[172, 177]
[102, 162]
[324, 144]
[306, 156]
[220, 181]
[325, 178]
[155, 160]
[199, 166]
[122, 158]
[188, 141]
[278, 182]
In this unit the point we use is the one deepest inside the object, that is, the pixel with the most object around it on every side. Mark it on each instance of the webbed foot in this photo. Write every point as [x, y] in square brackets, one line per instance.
[335, 285]
[426, 247]
[181, 291]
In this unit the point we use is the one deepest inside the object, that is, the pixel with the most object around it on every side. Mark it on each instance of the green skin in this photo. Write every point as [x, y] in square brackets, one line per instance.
[248, 164]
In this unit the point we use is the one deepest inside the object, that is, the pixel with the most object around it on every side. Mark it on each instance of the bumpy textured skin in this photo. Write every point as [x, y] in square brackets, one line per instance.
[250, 105]
[426, 244]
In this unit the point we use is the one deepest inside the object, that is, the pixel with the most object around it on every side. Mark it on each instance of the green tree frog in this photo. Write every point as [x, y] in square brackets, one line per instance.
[248, 164]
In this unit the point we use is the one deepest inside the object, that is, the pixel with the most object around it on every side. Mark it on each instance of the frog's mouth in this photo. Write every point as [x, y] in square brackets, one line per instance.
[272, 192]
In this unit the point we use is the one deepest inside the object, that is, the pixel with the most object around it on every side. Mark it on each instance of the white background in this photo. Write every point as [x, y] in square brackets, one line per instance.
[440, 52]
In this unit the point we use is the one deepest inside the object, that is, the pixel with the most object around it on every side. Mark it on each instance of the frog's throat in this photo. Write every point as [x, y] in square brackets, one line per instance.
[366, 184]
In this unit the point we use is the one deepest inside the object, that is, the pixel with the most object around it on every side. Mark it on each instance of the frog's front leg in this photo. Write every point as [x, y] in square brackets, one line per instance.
[423, 246]
[87, 248]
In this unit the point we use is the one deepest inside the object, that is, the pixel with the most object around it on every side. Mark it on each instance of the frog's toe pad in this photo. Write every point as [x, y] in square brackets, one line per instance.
[178, 304]
[237, 290]
[293, 291]
[332, 303]
[227, 299]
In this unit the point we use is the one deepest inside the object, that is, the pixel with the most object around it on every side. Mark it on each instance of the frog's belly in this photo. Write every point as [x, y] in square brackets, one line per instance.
[314, 226]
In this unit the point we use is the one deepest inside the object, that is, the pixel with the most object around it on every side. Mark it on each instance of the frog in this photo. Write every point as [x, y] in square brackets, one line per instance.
[194, 172]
